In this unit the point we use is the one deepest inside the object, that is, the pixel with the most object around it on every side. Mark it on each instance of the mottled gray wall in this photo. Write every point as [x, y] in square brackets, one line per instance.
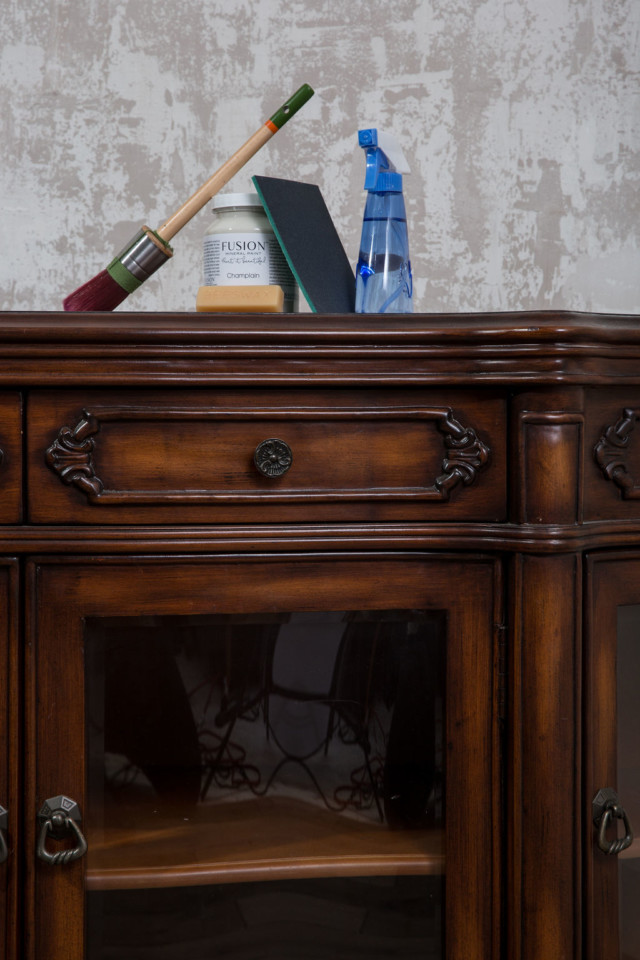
[520, 119]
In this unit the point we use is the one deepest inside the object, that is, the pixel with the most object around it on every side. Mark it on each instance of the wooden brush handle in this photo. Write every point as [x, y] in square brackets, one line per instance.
[196, 202]
[215, 183]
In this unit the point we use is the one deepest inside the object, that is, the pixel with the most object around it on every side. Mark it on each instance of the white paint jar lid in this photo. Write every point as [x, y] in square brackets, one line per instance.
[223, 200]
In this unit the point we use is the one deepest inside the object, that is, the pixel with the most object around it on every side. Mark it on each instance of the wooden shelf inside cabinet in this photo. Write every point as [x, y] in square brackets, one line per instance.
[261, 839]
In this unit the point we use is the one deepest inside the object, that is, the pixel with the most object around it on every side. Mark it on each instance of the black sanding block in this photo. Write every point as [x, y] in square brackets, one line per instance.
[310, 242]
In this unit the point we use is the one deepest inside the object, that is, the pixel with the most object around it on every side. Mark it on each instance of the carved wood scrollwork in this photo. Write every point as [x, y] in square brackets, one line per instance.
[611, 452]
[71, 456]
[466, 455]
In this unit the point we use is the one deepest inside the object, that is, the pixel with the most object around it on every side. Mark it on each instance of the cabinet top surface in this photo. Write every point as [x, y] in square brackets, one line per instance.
[544, 347]
[540, 325]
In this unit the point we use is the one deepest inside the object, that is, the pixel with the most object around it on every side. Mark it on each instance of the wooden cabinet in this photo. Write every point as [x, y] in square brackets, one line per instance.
[319, 636]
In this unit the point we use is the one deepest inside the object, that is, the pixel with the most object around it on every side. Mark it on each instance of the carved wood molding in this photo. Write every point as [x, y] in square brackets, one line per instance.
[466, 454]
[70, 456]
[611, 452]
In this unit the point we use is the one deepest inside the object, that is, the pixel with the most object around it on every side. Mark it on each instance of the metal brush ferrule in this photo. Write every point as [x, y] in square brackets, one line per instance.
[144, 255]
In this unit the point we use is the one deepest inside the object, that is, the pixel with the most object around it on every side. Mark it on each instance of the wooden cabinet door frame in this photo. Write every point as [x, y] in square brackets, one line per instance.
[613, 580]
[9, 757]
[63, 592]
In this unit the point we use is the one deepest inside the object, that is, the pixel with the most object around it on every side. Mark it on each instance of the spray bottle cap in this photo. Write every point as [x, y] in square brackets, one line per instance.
[385, 161]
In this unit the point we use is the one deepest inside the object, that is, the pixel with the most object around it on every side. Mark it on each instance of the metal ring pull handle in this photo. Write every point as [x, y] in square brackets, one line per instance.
[59, 817]
[606, 807]
[4, 820]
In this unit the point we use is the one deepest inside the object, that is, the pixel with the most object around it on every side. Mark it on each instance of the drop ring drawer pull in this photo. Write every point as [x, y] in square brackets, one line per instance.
[272, 457]
[59, 818]
[607, 808]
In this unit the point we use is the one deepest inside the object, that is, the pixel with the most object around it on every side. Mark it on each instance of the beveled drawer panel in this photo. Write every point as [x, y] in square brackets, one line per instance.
[190, 456]
[10, 457]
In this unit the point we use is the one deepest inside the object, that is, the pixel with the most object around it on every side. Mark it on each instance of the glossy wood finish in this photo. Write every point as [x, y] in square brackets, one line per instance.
[273, 840]
[65, 593]
[553, 396]
[613, 580]
[10, 798]
[614, 412]
[180, 457]
[538, 348]
[544, 783]
[11, 457]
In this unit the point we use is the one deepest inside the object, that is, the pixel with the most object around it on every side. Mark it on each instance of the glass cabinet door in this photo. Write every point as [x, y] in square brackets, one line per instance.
[288, 756]
[613, 757]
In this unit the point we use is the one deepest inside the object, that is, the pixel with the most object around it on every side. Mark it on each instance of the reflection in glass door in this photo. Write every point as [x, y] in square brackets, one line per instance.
[266, 784]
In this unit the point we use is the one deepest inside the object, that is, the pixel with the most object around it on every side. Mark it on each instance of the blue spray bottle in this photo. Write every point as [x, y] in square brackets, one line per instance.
[383, 273]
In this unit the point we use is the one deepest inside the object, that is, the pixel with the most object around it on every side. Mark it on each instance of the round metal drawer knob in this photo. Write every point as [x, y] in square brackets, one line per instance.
[273, 457]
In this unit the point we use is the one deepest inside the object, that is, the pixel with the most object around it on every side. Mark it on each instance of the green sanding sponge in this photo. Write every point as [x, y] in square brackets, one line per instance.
[310, 242]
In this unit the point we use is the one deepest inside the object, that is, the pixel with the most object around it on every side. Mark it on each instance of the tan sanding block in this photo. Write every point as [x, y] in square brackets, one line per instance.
[246, 299]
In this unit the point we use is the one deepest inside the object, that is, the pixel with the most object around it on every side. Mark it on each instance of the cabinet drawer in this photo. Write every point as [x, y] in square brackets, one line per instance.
[325, 455]
[612, 475]
[10, 458]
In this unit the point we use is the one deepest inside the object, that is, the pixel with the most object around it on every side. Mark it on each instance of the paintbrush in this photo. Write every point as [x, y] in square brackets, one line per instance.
[149, 249]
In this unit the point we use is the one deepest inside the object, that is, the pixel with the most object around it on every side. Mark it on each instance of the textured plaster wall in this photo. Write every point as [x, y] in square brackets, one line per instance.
[520, 119]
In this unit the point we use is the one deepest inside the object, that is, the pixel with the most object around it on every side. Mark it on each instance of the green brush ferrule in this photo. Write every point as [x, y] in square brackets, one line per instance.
[291, 106]
[122, 276]
[140, 258]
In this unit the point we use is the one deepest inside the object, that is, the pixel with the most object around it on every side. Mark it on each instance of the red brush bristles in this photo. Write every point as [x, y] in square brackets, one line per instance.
[100, 294]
